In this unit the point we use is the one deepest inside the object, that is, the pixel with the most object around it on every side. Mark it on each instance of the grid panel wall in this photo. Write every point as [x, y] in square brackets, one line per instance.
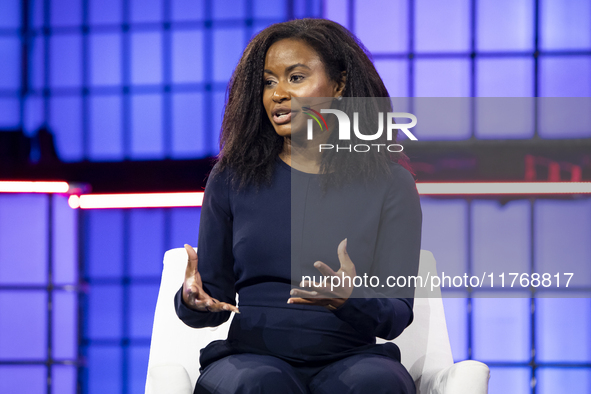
[532, 345]
[108, 78]
[123, 263]
[39, 294]
[476, 48]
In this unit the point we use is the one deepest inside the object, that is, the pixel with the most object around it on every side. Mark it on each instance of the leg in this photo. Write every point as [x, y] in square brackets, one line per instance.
[363, 373]
[249, 374]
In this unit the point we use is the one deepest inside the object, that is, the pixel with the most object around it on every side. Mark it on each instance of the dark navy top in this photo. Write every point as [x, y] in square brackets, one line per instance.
[254, 243]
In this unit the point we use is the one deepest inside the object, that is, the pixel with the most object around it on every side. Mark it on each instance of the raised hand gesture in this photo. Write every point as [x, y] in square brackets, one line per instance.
[193, 294]
[317, 294]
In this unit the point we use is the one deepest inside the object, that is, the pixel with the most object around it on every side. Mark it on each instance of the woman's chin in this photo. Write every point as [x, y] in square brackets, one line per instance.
[291, 130]
[283, 130]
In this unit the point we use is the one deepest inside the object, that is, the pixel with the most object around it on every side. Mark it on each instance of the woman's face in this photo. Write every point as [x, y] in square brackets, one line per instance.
[293, 69]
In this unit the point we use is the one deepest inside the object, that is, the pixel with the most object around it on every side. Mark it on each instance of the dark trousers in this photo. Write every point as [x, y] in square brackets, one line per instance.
[252, 373]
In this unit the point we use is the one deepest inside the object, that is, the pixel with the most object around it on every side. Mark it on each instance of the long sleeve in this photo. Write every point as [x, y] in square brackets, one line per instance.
[214, 252]
[397, 253]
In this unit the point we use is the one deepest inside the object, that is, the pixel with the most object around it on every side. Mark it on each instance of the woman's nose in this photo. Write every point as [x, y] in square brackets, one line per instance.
[280, 93]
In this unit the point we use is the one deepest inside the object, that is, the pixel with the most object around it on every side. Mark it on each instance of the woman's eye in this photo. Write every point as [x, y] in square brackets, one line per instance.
[268, 82]
[297, 78]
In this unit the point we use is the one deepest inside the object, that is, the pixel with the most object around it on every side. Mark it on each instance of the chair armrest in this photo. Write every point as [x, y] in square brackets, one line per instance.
[465, 377]
[168, 379]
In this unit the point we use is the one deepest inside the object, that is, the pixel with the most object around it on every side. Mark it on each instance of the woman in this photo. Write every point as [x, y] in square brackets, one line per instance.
[276, 209]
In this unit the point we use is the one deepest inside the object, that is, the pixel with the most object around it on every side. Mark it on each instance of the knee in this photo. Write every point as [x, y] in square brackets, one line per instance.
[242, 374]
[262, 379]
[364, 374]
[379, 381]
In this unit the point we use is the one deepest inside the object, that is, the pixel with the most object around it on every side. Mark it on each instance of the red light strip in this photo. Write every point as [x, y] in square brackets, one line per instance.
[33, 187]
[503, 188]
[136, 200]
[195, 199]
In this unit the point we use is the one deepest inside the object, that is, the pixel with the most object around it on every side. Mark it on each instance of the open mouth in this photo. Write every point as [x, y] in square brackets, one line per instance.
[282, 116]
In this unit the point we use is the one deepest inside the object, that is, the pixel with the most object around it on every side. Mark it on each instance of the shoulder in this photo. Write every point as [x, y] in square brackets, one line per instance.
[399, 171]
[400, 178]
[218, 172]
[219, 178]
[401, 198]
[218, 189]
[402, 193]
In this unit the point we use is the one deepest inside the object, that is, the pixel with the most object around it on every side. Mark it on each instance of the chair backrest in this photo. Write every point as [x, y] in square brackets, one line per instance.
[424, 345]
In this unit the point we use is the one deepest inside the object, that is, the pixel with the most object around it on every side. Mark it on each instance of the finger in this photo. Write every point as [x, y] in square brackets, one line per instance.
[303, 293]
[322, 292]
[324, 269]
[316, 302]
[197, 304]
[230, 307]
[346, 264]
[213, 305]
[309, 284]
[192, 262]
[223, 307]
[304, 301]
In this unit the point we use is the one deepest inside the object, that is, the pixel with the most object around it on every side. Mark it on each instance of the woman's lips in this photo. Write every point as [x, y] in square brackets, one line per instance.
[282, 118]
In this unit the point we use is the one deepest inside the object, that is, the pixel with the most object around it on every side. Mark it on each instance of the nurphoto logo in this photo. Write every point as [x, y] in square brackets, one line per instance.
[345, 129]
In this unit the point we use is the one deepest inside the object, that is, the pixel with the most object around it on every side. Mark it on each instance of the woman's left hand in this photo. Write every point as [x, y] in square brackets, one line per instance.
[325, 294]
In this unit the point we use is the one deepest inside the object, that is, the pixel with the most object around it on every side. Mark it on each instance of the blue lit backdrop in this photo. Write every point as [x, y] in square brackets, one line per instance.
[146, 79]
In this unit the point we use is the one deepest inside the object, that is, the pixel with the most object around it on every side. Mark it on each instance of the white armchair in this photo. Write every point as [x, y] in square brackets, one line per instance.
[173, 367]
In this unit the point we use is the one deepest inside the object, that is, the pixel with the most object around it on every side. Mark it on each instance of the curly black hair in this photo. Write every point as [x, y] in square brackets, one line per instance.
[248, 141]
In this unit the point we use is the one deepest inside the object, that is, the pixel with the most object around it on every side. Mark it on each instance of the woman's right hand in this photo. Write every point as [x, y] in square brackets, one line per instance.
[193, 294]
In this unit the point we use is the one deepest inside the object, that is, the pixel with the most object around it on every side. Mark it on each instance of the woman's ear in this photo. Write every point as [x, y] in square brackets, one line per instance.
[340, 88]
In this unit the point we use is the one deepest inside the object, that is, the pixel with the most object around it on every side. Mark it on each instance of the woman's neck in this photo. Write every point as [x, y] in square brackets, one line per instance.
[302, 158]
